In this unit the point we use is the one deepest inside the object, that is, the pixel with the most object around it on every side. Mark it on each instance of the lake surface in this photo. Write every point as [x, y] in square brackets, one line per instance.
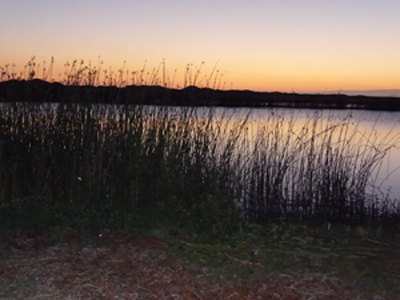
[378, 129]
[371, 130]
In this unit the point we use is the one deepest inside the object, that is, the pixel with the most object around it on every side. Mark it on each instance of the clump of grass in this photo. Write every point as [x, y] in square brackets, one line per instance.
[191, 170]
[110, 166]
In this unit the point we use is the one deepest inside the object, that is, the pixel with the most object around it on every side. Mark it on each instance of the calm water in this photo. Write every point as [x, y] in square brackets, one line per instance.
[376, 128]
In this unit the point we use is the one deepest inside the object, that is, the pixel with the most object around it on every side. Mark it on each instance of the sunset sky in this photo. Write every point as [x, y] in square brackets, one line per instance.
[291, 45]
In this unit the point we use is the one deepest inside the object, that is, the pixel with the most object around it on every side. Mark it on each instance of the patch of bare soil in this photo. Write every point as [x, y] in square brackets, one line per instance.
[125, 266]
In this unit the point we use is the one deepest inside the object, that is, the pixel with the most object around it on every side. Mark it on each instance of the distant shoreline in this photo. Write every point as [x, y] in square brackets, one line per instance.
[37, 91]
[393, 93]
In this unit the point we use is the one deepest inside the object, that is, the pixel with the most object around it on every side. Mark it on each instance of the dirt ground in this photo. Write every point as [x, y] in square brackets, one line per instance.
[122, 265]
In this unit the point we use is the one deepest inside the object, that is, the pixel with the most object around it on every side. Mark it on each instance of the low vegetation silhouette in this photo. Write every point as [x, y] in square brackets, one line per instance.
[82, 83]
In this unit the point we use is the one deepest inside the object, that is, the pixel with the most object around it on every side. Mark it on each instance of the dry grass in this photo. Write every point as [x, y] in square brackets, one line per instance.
[123, 265]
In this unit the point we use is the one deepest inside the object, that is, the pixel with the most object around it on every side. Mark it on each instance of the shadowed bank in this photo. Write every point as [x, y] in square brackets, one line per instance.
[36, 91]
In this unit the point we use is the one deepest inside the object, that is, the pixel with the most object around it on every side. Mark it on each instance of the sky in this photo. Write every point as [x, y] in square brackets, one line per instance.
[262, 45]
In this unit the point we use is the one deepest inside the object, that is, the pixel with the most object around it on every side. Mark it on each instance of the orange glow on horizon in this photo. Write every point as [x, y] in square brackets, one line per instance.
[216, 75]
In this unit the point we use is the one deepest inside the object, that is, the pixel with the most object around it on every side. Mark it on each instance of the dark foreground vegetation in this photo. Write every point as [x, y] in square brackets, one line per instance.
[37, 91]
[100, 166]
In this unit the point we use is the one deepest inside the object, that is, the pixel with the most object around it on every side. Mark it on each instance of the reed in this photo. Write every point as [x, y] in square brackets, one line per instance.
[81, 73]
[109, 166]
[94, 165]
[321, 172]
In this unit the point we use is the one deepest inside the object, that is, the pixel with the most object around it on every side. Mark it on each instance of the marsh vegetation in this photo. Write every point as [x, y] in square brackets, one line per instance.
[91, 166]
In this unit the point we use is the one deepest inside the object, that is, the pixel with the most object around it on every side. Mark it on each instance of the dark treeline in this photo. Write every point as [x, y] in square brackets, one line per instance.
[36, 91]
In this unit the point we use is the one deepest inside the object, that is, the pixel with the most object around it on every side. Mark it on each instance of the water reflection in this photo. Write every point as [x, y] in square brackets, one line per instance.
[356, 129]
[376, 129]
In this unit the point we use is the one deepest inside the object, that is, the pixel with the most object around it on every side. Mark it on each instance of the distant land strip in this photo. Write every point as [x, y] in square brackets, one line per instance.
[38, 91]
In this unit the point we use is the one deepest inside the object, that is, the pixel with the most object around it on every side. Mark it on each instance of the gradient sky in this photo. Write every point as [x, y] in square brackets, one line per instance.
[291, 45]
